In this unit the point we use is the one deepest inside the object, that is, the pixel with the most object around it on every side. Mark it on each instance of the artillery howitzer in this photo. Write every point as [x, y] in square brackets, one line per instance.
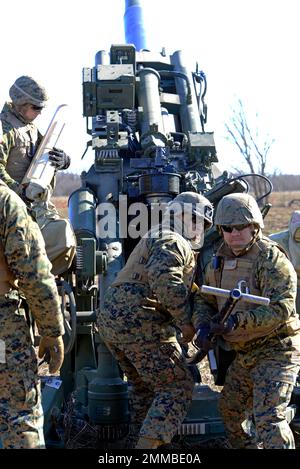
[146, 115]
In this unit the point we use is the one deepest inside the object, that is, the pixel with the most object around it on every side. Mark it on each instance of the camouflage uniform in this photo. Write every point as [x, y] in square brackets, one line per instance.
[22, 138]
[145, 308]
[18, 148]
[260, 380]
[22, 248]
[20, 142]
[143, 337]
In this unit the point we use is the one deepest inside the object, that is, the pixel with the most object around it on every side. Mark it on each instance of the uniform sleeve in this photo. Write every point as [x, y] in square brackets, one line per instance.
[277, 280]
[165, 269]
[205, 306]
[5, 147]
[25, 254]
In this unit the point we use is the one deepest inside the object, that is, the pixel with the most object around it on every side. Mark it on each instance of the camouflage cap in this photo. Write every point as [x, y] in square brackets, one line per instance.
[238, 209]
[27, 90]
[197, 203]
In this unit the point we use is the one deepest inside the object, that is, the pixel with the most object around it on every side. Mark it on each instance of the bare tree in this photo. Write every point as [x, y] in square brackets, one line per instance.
[252, 147]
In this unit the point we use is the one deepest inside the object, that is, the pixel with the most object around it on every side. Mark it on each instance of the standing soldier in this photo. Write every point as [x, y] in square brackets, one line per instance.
[24, 271]
[260, 380]
[145, 306]
[28, 99]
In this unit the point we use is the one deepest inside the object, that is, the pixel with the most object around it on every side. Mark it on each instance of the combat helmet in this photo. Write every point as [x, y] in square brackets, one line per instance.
[196, 203]
[27, 90]
[238, 209]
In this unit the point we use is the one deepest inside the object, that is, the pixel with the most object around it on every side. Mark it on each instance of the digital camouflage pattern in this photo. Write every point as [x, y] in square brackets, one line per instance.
[17, 149]
[238, 209]
[264, 389]
[27, 90]
[143, 337]
[20, 141]
[262, 376]
[274, 278]
[161, 389]
[21, 421]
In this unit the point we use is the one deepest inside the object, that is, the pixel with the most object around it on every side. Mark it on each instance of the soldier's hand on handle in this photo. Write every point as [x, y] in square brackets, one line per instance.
[188, 332]
[201, 340]
[219, 328]
[55, 346]
[59, 158]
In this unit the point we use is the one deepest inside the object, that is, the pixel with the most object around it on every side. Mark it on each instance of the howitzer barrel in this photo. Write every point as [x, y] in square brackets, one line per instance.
[134, 24]
[259, 300]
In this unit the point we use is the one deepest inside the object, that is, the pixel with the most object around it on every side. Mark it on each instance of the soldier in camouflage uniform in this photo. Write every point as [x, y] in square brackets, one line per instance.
[28, 98]
[24, 271]
[22, 138]
[143, 310]
[266, 339]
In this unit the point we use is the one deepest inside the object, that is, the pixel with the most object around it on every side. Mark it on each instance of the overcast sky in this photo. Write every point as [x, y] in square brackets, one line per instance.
[249, 49]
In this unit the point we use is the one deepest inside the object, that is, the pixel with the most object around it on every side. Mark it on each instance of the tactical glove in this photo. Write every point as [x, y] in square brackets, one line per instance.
[202, 341]
[55, 346]
[221, 329]
[59, 159]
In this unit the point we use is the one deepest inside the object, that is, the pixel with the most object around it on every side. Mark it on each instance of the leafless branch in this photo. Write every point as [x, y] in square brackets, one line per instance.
[249, 145]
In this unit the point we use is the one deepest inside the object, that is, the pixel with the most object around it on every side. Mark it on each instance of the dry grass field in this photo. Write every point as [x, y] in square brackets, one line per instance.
[61, 203]
[283, 204]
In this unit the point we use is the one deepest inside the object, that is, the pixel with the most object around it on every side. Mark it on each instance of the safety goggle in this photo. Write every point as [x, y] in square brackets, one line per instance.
[229, 229]
[36, 108]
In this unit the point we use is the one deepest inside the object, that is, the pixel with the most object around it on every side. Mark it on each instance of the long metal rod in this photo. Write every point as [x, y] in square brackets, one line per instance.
[135, 32]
